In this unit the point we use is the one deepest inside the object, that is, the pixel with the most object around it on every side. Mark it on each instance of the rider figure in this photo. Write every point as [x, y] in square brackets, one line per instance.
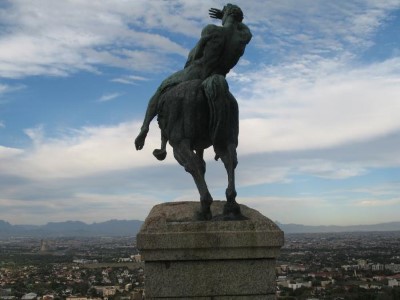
[217, 52]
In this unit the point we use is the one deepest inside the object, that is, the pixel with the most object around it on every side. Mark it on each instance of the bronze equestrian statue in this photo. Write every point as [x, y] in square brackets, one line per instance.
[196, 110]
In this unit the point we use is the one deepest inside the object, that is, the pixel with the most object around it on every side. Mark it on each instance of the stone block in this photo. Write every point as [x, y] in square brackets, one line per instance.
[190, 259]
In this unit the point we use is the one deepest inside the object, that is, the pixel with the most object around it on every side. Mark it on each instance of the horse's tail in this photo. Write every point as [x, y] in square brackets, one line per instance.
[216, 90]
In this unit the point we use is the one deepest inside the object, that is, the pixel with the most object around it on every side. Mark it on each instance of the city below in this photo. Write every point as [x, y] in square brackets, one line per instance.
[340, 265]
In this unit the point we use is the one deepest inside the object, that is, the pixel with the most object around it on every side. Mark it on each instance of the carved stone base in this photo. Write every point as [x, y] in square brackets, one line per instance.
[190, 259]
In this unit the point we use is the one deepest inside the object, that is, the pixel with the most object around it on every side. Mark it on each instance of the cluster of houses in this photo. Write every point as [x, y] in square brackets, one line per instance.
[295, 276]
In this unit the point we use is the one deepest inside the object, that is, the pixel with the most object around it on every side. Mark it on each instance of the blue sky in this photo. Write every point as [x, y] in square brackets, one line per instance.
[318, 91]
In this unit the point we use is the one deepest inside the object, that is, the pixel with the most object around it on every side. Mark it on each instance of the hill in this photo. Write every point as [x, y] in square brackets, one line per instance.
[298, 228]
[72, 228]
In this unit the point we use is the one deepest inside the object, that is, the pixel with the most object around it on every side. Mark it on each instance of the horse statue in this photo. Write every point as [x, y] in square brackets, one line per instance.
[193, 116]
[196, 110]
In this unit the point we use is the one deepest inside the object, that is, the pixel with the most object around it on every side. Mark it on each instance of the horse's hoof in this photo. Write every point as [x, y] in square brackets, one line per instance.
[232, 212]
[232, 208]
[207, 216]
[160, 154]
[205, 213]
[204, 216]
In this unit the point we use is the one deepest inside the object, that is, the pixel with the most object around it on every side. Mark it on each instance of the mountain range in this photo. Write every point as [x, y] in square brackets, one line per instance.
[298, 228]
[72, 228]
[132, 227]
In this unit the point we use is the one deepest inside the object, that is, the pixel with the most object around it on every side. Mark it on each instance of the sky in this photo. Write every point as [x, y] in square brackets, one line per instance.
[318, 91]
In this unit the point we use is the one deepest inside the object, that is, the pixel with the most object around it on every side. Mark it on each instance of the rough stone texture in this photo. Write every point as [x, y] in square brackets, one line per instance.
[173, 227]
[223, 277]
[186, 258]
[246, 297]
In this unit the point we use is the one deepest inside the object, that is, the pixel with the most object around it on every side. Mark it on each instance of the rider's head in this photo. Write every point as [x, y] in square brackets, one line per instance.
[232, 10]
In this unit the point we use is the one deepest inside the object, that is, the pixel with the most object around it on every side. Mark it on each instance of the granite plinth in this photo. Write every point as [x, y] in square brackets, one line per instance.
[191, 259]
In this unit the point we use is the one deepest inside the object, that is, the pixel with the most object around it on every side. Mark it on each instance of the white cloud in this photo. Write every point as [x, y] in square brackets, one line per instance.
[6, 88]
[2, 125]
[7, 153]
[82, 152]
[36, 134]
[109, 97]
[51, 38]
[94, 173]
[3, 88]
[101, 150]
[304, 106]
[131, 79]
[326, 29]
[389, 189]
[330, 169]
[378, 202]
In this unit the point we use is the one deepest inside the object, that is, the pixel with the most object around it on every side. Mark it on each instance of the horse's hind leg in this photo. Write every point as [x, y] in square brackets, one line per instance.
[160, 154]
[229, 158]
[194, 164]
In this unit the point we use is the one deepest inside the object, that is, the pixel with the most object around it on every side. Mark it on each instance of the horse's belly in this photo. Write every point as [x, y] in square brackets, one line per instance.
[185, 114]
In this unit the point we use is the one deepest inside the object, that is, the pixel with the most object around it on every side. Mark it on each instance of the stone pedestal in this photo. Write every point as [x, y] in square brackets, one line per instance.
[190, 259]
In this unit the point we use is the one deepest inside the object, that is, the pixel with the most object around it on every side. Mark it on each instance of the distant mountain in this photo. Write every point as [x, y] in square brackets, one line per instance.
[72, 228]
[132, 227]
[298, 228]
[4, 225]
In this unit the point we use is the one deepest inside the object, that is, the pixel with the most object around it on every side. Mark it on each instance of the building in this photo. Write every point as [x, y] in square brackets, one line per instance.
[297, 268]
[106, 291]
[393, 282]
[29, 296]
[137, 258]
[395, 268]
[378, 267]
[298, 285]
